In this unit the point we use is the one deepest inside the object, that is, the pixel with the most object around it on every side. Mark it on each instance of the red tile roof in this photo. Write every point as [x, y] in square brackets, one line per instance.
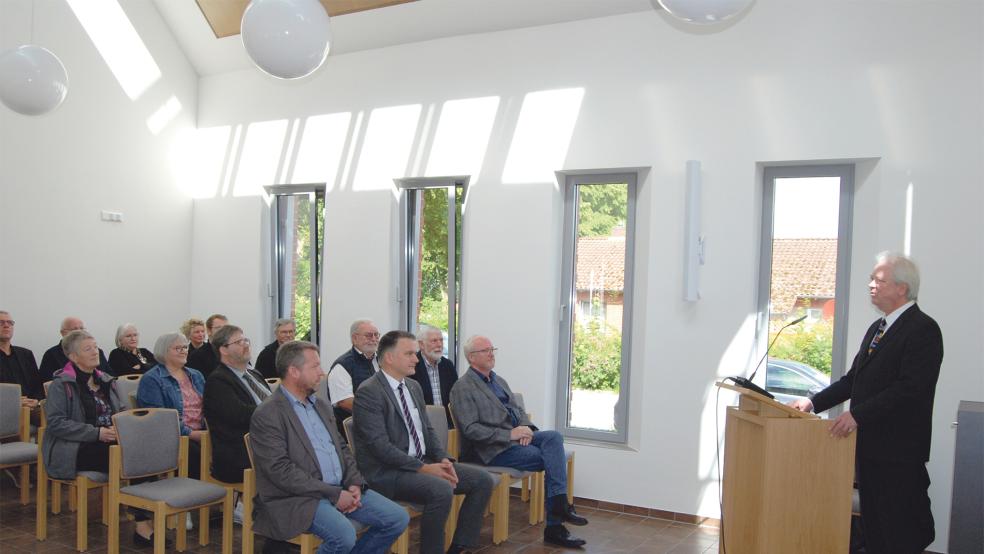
[600, 263]
[802, 268]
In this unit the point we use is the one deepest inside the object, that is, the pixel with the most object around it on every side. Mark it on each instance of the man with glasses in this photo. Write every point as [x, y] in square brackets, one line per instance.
[18, 366]
[266, 362]
[232, 393]
[54, 358]
[435, 373]
[204, 359]
[353, 367]
[496, 431]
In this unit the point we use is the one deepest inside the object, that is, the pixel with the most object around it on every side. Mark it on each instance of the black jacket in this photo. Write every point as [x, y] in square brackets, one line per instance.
[266, 362]
[228, 407]
[203, 359]
[54, 359]
[448, 375]
[22, 370]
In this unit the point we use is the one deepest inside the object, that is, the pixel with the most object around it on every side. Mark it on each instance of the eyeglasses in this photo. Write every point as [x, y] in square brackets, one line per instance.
[490, 350]
[244, 341]
[369, 335]
[7, 322]
[181, 348]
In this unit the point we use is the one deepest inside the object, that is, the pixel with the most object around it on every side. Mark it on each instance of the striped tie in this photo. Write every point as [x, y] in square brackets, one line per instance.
[877, 337]
[413, 428]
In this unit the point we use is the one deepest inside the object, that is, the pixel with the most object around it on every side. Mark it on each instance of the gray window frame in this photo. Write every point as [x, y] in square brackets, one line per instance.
[842, 287]
[568, 301]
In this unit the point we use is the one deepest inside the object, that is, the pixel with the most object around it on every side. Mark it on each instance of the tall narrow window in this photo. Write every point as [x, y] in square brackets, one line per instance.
[431, 256]
[596, 306]
[805, 259]
[298, 235]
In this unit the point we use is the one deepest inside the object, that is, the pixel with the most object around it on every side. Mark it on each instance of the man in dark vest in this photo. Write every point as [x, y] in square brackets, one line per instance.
[353, 367]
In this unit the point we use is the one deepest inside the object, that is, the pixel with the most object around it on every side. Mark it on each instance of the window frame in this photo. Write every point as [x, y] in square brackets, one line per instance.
[569, 303]
[842, 285]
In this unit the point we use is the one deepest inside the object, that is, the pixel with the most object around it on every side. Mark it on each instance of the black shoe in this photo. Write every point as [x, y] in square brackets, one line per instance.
[271, 546]
[140, 540]
[458, 549]
[559, 535]
[565, 511]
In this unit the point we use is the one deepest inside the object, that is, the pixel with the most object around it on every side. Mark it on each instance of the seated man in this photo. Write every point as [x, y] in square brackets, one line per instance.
[435, 373]
[266, 362]
[353, 367]
[306, 479]
[54, 358]
[497, 431]
[232, 393]
[204, 359]
[401, 455]
[17, 365]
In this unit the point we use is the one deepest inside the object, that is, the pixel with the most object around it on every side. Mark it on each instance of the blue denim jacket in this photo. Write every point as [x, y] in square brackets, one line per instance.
[159, 390]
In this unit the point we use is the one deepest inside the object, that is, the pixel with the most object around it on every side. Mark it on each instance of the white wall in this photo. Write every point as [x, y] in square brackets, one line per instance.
[96, 152]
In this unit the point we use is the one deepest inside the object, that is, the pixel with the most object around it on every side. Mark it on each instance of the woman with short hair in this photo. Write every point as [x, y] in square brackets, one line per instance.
[194, 331]
[128, 358]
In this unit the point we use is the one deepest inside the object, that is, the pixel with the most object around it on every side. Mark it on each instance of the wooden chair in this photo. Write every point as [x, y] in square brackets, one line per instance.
[439, 421]
[205, 467]
[127, 386]
[569, 453]
[150, 443]
[78, 493]
[15, 421]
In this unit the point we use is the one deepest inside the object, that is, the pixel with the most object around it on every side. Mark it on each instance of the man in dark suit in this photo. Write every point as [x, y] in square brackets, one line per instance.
[891, 386]
[232, 393]
[266, 362]
[17, 365]
[54, 358]
[204, 359]
[401, 455]
[306, 479]
[435, 373]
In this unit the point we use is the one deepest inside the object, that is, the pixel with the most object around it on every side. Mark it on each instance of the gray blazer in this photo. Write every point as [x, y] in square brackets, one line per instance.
[381, 437]
[288, 477]
[482, 421]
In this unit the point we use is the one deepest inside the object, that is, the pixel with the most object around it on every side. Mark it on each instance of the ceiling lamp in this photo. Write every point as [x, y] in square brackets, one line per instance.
[702, 12]
[32, 80]
[288, 39]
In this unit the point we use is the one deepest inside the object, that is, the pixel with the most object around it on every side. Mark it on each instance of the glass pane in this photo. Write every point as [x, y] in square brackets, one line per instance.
[599, 276]
[295, 261]
[432, 259]
[804, 275]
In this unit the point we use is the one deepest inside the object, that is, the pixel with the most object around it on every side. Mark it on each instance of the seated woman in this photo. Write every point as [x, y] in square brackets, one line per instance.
[194, 331]
[80, 406]
[128, 357]
[170, 384]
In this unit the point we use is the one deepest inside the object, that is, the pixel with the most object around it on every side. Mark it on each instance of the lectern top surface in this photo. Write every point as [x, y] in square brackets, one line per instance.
[789, 411]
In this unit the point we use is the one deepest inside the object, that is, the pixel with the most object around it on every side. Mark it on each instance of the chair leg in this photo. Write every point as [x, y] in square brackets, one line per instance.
[541, 500]
[524, 490]
[56, 501]
[402, 543]
[535, 498]
[570, 479]
[82, 514]
[160, 530]
[203, 526]
[181, 533]
[41, 521]
[25, 484]
[104, 493]
[72, 498]
[500, 520]
[113, 533]
[307, 543]
[452, 523]
[227, 508]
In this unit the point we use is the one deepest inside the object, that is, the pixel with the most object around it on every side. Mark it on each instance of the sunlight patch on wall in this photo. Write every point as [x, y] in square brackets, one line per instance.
[319, 154]
[164, 115]
[543, 134]
[387, 146]
[907, 248]
[197, 159]
[261, 156]
[118, 43]
[462, 136]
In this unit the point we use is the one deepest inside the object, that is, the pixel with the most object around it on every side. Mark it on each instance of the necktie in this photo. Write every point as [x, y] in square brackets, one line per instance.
[413, 428]
[259, 391]
[877, 337]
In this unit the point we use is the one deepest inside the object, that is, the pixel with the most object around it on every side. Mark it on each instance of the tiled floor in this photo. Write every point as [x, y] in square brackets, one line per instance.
[607, 532]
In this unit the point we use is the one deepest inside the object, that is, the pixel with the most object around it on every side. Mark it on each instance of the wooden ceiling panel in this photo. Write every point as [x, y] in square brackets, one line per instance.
[225, 16]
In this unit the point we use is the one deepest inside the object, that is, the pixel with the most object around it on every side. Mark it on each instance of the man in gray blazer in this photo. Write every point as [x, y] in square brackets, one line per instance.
[493, 428]
[401, 455]
[306, 479]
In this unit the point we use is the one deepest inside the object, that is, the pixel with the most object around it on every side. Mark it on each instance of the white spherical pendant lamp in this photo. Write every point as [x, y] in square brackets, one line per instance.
[703, 12]
[33, 81]
[288, 39]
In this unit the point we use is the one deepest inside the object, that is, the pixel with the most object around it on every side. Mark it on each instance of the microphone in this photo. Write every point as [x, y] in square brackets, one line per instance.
[747, 383]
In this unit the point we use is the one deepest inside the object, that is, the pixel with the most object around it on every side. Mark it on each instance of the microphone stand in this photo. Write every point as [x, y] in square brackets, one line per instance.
[747, 382]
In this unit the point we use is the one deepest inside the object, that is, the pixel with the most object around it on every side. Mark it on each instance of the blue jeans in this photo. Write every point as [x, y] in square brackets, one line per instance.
[545, 452]
[385, 518]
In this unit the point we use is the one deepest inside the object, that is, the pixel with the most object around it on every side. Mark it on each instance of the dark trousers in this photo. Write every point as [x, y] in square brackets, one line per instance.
[436, 495]
[895, 512]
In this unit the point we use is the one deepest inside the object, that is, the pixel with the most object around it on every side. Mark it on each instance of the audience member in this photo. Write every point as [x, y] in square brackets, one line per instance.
[171, 384]
[194, 330]
[306, 479]
[358, 364]
[17, 365]
[402, 457]
[204, 359]
[496, 430]
[435, 373]
[266, 362]
[54, 359]
[128, 357]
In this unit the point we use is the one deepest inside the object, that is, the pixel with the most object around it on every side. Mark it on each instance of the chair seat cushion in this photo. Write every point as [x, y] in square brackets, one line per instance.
[12, 453]
[94, 476]
[177, 492]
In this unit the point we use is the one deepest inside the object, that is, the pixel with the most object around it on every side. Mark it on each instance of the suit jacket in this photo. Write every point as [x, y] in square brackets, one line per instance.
[203, 359]
[381, 437]
[288, 478]
[27, 376]
[484, 424]
[228, 406]
[892, 390]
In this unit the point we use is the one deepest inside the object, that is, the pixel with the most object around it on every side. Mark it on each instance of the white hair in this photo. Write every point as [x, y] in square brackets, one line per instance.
[121, 330]
[424, 331]
[354, 328]
[904, 271]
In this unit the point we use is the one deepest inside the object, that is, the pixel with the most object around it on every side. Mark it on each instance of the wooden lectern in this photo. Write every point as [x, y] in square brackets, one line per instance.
[787, 482]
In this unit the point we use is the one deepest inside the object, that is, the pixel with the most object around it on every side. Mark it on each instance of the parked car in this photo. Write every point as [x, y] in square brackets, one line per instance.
[789, 380]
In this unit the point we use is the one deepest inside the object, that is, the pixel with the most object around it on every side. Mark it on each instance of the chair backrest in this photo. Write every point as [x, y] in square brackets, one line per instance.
[249, 449]
[348, 425]
[10, 409]
[274, 383]
[149, 440]
[47, 385]
[127, 385]
[322, 392]
[134, 403]
[439, 421]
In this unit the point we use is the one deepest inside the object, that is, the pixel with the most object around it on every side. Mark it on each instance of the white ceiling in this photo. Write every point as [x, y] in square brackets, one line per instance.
[400, 24]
